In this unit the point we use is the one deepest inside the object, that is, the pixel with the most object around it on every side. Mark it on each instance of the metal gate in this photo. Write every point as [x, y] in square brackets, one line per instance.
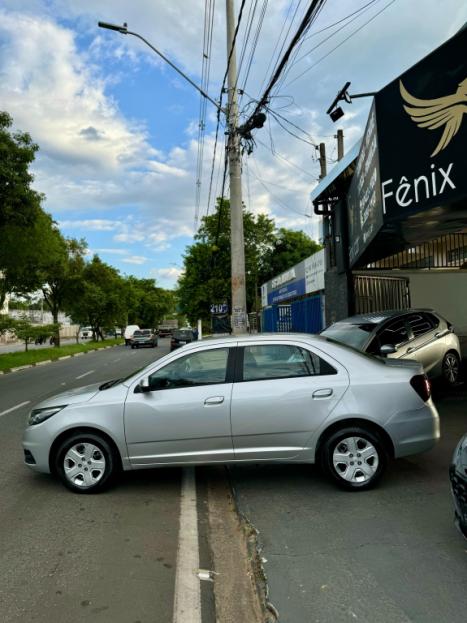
[277, 319]
[373, 293]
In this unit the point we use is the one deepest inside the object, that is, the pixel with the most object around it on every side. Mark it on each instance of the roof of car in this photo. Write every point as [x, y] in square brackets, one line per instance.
[378, 317]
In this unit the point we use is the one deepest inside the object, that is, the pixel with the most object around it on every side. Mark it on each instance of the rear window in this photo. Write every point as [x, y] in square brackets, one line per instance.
[354, 335]
[137, 334]
[145, 332]
[184, 334]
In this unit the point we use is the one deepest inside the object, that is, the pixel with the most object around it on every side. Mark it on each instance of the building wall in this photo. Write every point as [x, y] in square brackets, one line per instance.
[337, 296]
[443, 290]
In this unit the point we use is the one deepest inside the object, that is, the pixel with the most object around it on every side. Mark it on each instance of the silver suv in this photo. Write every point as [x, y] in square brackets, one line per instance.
[419, 334]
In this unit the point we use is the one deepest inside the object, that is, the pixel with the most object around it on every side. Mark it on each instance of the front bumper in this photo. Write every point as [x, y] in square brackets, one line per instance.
[459, 494]
[36, 447]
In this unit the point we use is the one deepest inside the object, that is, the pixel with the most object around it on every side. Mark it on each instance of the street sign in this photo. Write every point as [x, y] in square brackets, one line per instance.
[219, 309]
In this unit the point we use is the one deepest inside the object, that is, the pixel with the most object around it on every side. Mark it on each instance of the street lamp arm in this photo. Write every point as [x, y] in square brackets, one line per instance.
[124, 31]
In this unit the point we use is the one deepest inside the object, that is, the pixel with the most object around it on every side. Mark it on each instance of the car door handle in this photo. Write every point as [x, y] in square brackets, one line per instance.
[409, 350]
[214, 400]
[322, 393]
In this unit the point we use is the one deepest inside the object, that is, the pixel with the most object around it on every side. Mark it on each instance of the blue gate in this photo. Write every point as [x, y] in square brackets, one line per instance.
[302, 316]
[306, 315]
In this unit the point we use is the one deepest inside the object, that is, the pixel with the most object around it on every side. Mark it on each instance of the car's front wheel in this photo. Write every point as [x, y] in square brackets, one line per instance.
[451, 368]
[86, 463]
[355, 458]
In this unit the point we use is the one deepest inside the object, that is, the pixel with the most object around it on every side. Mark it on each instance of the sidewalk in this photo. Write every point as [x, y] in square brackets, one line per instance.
[14, 347]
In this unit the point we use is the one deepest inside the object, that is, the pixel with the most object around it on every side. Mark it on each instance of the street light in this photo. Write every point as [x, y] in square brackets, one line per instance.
[124, 31]
[335, 111]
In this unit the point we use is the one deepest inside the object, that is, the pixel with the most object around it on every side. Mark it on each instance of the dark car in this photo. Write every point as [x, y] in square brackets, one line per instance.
[143, 337]
[180, 337]
[165, 332]
[419, 334]
[458, 476]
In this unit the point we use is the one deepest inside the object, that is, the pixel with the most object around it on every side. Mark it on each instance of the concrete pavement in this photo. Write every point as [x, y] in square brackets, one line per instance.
[390, 555]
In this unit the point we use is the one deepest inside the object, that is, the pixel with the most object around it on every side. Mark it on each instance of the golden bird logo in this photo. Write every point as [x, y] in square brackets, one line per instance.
[444, 111]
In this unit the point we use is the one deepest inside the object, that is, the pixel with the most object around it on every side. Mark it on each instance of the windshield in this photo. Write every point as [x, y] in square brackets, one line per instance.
[184, 334]
[355, 335]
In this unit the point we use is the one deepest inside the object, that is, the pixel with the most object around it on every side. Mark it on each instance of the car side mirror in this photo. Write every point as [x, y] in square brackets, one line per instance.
[388, 349]
[143, 386]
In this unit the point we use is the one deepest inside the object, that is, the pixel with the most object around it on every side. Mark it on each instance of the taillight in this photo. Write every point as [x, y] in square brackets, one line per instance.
[422, 386]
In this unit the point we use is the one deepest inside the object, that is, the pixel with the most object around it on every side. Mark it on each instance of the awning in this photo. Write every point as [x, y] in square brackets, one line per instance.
[327, 185]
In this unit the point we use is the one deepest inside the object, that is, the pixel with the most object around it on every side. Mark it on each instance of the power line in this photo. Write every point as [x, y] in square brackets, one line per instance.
[341, 43]
[205, 73]
[255, 42]
[292, 164]
[304, 25]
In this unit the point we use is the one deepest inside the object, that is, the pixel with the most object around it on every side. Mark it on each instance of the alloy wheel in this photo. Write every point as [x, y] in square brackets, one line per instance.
[84, 464]
[355, 459]
[451, 368]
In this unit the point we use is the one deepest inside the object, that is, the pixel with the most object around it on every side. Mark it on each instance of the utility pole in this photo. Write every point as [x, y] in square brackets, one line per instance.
[322, 161]
[237, 246]
[340, 144]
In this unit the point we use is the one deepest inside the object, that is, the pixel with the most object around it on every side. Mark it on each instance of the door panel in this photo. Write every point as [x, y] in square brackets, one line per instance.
[179, 425]
[424, 346]
[273, 418]
[186, 415]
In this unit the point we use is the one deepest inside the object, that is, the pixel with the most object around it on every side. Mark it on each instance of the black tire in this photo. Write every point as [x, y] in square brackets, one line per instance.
[331, 445]
[112, 464]
[451, 368]
[132, 346]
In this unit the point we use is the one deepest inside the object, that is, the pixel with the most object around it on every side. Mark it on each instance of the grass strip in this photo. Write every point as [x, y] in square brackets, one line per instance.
[14, 360]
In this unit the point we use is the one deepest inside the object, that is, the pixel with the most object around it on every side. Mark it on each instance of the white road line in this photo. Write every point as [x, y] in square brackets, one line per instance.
[115, 360]
[187, 599]
[81, 376]
[21, 404]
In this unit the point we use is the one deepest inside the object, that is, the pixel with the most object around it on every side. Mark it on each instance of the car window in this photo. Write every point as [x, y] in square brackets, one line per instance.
[137, 334]
[419, 324]
[354, 335]
[201, 368]
[432, 319]
[145, 332]
[394, 333]
[278, 361]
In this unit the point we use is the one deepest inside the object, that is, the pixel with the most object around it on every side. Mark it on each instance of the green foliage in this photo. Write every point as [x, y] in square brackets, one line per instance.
[147, 303]
[28, 332]
[6, 324]
[206, 278]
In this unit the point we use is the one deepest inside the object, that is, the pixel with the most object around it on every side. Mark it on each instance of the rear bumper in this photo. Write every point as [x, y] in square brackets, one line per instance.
[415, 431]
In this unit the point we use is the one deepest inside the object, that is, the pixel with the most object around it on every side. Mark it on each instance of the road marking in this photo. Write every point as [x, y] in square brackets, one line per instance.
[21, 404]
[115, 360]
[81, 376]
[187, 599]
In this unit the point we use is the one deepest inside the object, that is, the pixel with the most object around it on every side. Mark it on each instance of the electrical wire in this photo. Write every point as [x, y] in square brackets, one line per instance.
[341, 43]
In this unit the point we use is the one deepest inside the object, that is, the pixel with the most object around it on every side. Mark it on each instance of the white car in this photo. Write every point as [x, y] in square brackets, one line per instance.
[128, 333]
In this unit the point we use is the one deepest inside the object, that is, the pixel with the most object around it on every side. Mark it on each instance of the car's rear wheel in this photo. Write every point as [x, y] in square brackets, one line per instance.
[451, 368]
[355, 458]
[86, 463]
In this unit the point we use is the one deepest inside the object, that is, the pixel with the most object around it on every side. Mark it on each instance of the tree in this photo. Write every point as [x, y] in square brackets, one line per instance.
[289, 248]
[28, 332]
[206, 279]
[20, 209]
[147, 303]
[268, 252]
[102, 299]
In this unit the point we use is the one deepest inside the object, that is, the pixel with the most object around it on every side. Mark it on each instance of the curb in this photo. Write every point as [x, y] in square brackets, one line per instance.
[43, 363]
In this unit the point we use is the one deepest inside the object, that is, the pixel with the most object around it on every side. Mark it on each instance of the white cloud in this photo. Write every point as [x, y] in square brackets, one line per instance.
[90, 224]
[135, 259]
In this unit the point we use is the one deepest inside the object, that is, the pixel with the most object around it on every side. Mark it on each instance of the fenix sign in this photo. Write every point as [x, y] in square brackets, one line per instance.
[413, 156]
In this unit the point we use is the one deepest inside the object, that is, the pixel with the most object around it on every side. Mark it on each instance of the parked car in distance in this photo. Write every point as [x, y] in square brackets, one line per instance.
[143, 337]
[458, 476]
[419, 334]
[164, 332]
[180, 337]
[128, 333]
[85, 333]
[287, 398]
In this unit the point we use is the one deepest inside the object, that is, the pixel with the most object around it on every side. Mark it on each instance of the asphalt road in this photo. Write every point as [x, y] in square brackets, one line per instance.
[69, 558]
[391, 555]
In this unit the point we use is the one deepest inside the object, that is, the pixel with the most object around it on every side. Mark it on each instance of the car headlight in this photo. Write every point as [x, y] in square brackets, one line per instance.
[40, 415]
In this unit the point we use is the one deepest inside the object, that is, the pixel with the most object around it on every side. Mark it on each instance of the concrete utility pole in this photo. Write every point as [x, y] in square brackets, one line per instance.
[340, 144]
[237, 246]
[322, 161]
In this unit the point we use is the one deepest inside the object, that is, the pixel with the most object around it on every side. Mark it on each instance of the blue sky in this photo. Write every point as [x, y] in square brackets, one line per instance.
[117, 128]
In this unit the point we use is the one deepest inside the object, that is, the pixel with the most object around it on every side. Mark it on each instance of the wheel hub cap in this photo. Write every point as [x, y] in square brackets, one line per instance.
[355, 459]
[451, 368]
[84, 464]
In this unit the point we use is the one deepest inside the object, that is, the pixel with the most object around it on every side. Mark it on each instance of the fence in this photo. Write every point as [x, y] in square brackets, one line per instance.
[303, 316]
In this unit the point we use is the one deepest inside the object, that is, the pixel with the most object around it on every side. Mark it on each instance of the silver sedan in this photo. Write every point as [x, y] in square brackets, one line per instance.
[265, 398]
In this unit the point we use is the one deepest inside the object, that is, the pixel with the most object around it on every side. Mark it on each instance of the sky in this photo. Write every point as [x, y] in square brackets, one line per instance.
[118, 128]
